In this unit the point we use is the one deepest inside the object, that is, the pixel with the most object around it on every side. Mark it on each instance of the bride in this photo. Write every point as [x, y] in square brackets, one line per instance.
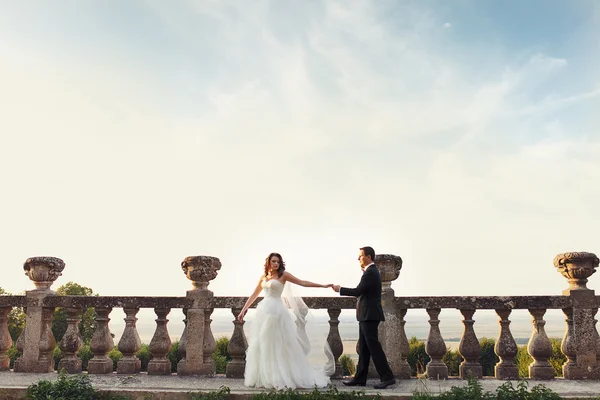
[277, 354]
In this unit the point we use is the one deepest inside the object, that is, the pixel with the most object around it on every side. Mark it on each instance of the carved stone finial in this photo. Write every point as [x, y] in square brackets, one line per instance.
[43, 271]
[201, 270]
[576, 267]
[389, 267]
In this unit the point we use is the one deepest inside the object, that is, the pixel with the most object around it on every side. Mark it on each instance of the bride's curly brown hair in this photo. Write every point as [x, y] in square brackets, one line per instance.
[281, 265]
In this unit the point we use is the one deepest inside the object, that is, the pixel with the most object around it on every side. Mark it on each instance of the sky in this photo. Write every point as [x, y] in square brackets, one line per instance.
[462, 136]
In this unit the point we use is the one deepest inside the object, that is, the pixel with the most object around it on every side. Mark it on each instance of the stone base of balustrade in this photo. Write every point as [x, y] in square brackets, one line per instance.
[235, 369]
[208, 369]
[470, 370]
[100, 366]
[338, 373]
[159, 367]
[506, 372]
[39, 367]
[541, 372]
[129, 365]
[436, 371]
[71, 365]
[404, 371]
[572, 371]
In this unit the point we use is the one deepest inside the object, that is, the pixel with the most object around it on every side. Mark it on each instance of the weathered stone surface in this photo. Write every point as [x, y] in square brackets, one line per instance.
[43, 271]
[102, 343]
[237, 348]
[71, 343]
[576, 267]
[160, 345]
[335, 341]
[201, 270]
[5, 339]
[506, 349]
[485, 302]
[469, 349]
[129, 344]
[435, 347]
[540, 348]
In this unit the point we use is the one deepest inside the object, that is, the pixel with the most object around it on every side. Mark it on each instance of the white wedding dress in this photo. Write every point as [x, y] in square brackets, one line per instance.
[276, 357]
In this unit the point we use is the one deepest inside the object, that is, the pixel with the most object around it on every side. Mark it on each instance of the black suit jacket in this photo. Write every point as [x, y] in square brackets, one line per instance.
[368, 292]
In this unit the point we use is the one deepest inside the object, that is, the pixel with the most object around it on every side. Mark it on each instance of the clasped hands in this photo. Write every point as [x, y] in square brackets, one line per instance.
[336, 288]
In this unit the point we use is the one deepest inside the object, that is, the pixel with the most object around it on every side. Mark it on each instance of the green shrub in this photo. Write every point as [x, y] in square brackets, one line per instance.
[144, 355]
[488, 357]
[86, 355]
[115, 355]
[57, 355]
[452, 359]
[348, 366]
[474, 391]
[417, 357]
[13, 354]
[174, 356]
[221, 394]
[330, 394]
[76, 387]
[221, 350]
[220, 363]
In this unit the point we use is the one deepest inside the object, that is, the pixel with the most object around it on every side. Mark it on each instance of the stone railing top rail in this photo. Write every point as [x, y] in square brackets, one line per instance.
[485, 302]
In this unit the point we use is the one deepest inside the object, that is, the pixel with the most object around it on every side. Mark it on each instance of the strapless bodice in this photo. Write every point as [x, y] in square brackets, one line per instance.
[272, 288]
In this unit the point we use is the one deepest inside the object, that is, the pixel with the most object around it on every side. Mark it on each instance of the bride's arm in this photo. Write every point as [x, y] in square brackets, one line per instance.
[251, 300]
[291, 278]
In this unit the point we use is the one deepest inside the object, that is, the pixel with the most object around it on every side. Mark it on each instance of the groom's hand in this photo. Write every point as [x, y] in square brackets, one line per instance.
[336, 288]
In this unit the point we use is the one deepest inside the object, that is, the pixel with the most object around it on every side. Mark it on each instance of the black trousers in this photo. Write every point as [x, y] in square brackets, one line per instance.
[369, 346]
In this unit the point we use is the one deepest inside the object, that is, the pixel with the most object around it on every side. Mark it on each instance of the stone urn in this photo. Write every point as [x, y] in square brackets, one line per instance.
[201, 270]
[43, 271]
[577, 267]
[389, 267]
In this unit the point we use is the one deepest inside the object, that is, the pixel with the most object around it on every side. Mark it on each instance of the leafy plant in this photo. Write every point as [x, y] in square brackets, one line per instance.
[76, 387]
[331, 394]
[221, 394]
[348, 366]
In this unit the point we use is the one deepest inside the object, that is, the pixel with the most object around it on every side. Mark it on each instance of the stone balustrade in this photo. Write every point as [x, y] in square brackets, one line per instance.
[581, 342]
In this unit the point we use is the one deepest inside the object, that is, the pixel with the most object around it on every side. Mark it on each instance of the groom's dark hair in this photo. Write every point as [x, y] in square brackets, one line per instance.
[369, 252]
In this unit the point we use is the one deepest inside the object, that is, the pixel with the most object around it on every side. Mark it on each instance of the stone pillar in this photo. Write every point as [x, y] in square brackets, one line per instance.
[129, 344]
[539, 348]
[160, 345]
[182, 345]
[506, 349]
[335, 341]
[435, 347]
[71, 343]
[5, 339]
[37, 336]
[237, 348]
[200, 270]
[102, 343]
[469, 349]
[404, 370]
[577, 267]
[389, 266]
[209, 346]
[567, 346]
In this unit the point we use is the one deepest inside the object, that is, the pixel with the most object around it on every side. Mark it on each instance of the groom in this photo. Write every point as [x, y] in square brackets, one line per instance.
[369, 314]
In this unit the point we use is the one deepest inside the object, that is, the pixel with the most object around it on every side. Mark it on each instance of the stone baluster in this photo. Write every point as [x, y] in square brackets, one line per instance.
[540, 348]
[71, 343]
[47, 342]
[210, 346]
[335, 341]
[181, 349]
[389, 267]
[577, 267]
[129, 344]
[200, 270]
[102, 343]
[37, 336]
[469, 348]
[5, 339]
[435, 347]
[160, 345]
[568, 348]
[237, 348]
[404, 370]
[21, 339]
[506, 349]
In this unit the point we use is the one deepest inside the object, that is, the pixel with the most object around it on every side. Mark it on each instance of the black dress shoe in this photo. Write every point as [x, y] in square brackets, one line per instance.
[353, 382]
[384, 384]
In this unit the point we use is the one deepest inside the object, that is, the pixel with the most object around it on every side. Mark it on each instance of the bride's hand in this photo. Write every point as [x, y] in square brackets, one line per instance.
[328, 285]
[241, 316]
